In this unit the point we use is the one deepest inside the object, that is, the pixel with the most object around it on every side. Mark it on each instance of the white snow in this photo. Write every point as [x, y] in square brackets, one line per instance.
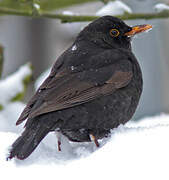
[9, 116]
[69, 13]
[114, 8]
[150, 121]
[74, 47]
[72, 68]
[138, 150]
[161, 7]
[13, 84]
[37, 6]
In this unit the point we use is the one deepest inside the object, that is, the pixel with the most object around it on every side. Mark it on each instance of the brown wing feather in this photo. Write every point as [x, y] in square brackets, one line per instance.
[66, 89]
[48, 83]
[81, 93]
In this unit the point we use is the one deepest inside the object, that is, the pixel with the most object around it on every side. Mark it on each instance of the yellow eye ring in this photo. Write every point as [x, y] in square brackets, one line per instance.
[114, 32]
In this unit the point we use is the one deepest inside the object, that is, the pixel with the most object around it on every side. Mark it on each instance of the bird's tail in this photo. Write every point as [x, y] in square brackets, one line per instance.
[29, 140]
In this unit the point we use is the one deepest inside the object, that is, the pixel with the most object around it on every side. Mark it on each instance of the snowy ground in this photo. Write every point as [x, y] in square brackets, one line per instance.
[134, 151]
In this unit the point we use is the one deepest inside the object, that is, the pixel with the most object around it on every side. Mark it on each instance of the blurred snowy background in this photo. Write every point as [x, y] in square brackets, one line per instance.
[138, 150]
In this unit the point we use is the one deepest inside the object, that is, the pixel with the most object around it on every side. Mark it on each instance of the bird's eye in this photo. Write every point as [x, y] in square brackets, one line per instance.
[114, 32]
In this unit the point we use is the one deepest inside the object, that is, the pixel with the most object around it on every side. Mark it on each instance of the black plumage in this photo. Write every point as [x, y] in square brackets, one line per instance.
[93, 87]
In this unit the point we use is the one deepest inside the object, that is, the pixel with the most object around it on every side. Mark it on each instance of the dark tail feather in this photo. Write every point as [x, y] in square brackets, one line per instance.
[29, 140]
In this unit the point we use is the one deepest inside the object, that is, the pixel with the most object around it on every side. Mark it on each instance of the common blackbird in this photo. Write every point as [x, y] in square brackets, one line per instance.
[93, 87]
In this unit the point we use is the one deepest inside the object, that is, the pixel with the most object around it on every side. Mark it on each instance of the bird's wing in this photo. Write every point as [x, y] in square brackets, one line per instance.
[73, 86]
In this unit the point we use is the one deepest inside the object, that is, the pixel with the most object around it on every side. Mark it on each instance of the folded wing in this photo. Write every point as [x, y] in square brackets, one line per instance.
[71, 87]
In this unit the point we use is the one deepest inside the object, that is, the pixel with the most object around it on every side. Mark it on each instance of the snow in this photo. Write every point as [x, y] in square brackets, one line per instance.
[72, 68]
[14, 82]
[8, 117]
[74, 47]
[69, 13]
[114, 8]
[151, 121]
[10, 87]
[161, 7]
[137, 150]
[37, 6]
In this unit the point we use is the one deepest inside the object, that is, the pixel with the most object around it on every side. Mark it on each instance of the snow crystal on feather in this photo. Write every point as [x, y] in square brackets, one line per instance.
[74, 47]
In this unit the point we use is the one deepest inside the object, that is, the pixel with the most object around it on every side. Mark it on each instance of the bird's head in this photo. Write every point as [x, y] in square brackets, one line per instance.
[112, 32]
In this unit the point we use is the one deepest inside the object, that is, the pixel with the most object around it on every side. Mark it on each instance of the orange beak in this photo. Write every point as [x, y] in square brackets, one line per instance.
[138, 29]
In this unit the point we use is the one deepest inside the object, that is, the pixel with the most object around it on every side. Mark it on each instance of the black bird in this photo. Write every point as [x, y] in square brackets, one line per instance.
[93, 87]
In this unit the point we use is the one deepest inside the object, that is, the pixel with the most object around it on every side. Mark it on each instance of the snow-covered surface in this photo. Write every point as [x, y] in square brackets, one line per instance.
[161, 7]
[13, 84]
[114, 8]
[134, 151]
[9, 116]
